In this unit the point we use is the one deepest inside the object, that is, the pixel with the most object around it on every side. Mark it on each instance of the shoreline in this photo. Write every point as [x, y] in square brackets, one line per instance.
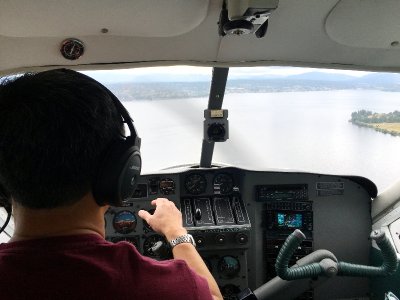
[380, 127]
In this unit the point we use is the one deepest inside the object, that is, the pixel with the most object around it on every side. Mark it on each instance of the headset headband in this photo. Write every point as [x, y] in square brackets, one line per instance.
[126, 118]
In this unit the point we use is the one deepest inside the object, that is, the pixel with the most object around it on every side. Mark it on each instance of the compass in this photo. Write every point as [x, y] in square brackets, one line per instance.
[72, 48]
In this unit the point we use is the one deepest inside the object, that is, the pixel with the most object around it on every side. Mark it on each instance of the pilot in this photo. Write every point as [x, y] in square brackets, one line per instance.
[55, 129]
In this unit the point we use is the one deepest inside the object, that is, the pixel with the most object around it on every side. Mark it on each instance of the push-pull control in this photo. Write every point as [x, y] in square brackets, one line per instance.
[197, 214]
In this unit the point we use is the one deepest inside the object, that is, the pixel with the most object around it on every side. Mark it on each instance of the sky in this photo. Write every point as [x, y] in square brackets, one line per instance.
[190, 72]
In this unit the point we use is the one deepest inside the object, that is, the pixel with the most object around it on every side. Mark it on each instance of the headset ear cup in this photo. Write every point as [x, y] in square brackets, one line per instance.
[118, 174]
[4, 197]
[130, 174]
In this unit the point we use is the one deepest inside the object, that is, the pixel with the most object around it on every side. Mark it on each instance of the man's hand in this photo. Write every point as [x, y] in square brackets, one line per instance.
[167, 219]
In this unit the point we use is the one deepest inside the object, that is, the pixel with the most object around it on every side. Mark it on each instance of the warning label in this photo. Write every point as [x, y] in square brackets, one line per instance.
[330, 189]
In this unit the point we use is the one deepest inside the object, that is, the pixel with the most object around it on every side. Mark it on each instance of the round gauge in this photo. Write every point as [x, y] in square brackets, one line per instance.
[167, 186]
[228, 266]
[72, 49]
[124, 222]
[195, 184]
[224, 183]
[230, 291]
[149, 242]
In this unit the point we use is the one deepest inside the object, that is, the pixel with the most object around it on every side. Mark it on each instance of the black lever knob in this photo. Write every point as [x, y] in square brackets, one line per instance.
[197, 214]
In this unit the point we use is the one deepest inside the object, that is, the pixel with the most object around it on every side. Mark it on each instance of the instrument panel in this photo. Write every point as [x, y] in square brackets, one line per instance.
[240, 218]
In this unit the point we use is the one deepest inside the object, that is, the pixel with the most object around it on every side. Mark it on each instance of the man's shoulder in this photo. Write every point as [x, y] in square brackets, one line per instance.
[94, 261]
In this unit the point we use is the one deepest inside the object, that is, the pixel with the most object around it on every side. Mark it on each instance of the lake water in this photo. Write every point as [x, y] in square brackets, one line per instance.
[307, 131]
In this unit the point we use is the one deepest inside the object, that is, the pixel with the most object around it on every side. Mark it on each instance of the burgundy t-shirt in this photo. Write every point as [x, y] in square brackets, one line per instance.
[88, 267]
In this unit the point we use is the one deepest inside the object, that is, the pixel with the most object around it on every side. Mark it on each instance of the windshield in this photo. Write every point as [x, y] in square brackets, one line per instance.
[279, 118]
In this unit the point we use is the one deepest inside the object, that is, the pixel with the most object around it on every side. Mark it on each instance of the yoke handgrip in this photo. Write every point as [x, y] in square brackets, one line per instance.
[286, 252]
[388, 267]
[389, 264]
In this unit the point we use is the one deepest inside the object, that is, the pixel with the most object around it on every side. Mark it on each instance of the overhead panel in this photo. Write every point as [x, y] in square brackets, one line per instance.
[140, 18]
[365, 24]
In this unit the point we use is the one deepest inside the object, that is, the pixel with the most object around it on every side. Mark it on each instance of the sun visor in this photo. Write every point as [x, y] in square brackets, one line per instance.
[366, 23]
[141, 18]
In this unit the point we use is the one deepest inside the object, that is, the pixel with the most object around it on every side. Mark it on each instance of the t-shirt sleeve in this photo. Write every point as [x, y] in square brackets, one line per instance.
[168, 280]
[199, 284]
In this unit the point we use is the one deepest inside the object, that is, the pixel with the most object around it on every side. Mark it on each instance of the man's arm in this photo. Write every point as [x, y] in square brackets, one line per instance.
[167, 220]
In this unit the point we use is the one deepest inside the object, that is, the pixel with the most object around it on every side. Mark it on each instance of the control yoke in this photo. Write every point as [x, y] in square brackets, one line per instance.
[329, 267]
[293, 281]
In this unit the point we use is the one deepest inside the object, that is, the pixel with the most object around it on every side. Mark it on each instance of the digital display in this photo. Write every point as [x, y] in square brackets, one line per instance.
[289, 220]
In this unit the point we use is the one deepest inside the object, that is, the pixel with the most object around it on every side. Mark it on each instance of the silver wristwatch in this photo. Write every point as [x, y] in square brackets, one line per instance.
[186, 238]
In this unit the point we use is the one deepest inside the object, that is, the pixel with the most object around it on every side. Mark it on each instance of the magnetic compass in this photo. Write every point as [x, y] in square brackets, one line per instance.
[72, 49]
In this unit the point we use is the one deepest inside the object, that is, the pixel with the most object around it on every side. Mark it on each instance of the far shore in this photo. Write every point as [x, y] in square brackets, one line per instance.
[387, 128]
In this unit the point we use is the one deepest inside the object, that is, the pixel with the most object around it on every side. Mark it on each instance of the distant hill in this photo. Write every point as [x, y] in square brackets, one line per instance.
[321, 76]
[380, 78]
[175, 86]
[116, 78]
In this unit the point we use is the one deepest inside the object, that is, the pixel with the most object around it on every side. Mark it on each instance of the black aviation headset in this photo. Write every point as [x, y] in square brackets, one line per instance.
[6, 203]
[118, 169]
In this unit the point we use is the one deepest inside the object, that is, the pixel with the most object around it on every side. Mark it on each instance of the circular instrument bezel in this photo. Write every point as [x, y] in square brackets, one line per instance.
[149, 242]
[229, 266]
[167, 186]
[72, 49]
[195, 183]
[225, 182]
[127, 228]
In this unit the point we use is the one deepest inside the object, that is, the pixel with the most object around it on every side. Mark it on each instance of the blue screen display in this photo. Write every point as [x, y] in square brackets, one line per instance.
[290, 220]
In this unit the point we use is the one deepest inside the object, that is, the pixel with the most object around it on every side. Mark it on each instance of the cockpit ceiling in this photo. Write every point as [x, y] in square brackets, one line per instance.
[349, 34]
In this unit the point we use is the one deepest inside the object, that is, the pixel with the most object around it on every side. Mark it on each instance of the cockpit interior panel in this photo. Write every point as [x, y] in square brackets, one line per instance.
[240, 219]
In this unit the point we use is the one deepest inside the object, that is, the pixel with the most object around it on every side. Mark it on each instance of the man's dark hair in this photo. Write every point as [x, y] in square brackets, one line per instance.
[54, 127]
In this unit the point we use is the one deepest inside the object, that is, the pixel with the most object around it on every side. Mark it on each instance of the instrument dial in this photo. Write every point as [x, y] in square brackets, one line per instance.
[195, 184]
[230, 291]
[223, 182]
[228, 266]
[72, 49]
[124, 222]
[167, 186]
[149, 243]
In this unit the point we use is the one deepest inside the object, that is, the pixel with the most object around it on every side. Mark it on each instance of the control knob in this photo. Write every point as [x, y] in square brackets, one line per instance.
[200, 240]
[220, 239]
[197, 214]
[242, 238]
